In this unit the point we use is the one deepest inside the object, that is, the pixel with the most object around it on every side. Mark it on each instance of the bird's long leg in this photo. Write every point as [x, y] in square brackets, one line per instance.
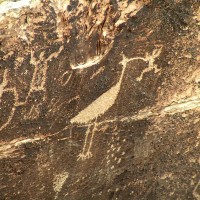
[89, 153]
[83, 155]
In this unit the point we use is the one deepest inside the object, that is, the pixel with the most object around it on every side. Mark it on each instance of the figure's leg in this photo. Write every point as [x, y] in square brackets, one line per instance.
[83, 155]
[89, 153]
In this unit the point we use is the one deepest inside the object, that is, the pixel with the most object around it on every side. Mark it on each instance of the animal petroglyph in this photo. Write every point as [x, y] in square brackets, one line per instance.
[151, 66]
[182, 105]
[104, 102]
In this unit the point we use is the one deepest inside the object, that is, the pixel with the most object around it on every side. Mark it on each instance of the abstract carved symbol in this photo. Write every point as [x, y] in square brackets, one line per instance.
[102, 104]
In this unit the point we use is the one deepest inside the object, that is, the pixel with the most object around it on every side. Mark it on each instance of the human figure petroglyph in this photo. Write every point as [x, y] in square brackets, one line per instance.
[38, 82]
[39, 78]
[4, 89]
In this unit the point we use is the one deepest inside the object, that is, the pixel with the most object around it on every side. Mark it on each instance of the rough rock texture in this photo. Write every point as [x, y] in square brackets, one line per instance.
[100, 100]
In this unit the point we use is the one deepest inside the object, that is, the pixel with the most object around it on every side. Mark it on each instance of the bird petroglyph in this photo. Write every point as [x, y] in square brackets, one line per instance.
[180, 106]
[105, 101]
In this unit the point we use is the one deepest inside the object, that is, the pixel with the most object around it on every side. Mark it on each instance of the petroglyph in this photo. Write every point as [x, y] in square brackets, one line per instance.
[16, 103]
[83, 155]
[97, 72]
[33, 113]
[37, 83]
[64, 83]
[151, 60]
[4, 83]
[39, 75]
[151, 116]
[59, 181]
[86, 152]
[181, 106]
[106, 100]
[40, 72]
[101, 104]
[9, 119]
[196, 190]
[3, 90]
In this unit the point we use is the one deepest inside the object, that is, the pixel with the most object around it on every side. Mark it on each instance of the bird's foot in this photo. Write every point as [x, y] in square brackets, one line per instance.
[84, 156]
[81, 156]
[88, 154]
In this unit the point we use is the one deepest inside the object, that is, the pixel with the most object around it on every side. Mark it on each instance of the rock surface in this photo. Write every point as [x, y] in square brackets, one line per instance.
[100, 100]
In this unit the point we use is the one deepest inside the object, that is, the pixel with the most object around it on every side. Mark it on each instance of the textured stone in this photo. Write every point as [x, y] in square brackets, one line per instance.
[100, 100]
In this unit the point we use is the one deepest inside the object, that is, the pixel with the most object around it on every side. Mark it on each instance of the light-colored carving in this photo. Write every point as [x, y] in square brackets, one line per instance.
[16, 103]
[64, 83]
[37, 83]
[9, 119]
[4, 83]
[85, 154]
[195, 192]
[3, 89]
[59, 181]
[106, 100]
[6, 149]
[150, 59]
[40, 72]
[102, 103]
[97, 72]
[34, 113]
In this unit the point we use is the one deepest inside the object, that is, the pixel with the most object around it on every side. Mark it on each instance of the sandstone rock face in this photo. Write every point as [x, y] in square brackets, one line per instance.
[100, 100]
